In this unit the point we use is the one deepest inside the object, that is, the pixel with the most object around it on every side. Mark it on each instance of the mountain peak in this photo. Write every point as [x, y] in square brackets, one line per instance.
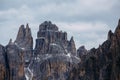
[10, 41]
[110, 33]
[82, 47]
[49, 34]
[71, 46]
[28, 31]
[71, 39]
[24, 38]
[81, 51]
[47, 25]
[27, 26]
[21, 33]
[118, 27]
[117, 30]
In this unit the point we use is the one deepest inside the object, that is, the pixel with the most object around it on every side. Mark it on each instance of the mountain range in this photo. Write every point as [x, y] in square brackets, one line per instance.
[54, 57]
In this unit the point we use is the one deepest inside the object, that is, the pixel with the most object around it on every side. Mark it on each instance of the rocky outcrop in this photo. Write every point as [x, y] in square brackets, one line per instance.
[14, 55]
[24, 37]
[54, 54]
[102, 63]
[71, 47]
[49, 34]
[15, 62]
[82, 52]
[3, 74]
[24, 41]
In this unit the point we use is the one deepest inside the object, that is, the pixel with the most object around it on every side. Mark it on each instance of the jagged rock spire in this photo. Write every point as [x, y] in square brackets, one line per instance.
[24, 37]
[27, 25]
[71, 46]
[71, 40]
[21, 34]
[118, 27]
[10, 41]
[48, 34]
[28, 31]
[110, 34]
[24, 41]
[117, 31]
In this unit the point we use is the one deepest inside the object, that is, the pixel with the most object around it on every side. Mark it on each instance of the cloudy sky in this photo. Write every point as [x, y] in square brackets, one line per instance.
[87, 20]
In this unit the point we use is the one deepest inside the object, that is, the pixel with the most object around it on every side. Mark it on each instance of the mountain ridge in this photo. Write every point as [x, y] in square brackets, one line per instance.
[56, 58]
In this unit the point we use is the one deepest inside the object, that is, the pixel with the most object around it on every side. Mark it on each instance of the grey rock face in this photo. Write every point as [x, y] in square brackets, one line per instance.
[53, 66]
[24, 41]
[102, 63]
[71, 47]
[49, 34]
[47, 25]
[15, 62]
[21, 34]
[82, 53]
[54, 54]
[3, 70]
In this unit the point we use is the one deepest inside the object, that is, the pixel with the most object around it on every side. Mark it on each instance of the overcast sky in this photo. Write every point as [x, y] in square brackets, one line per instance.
[87, 20]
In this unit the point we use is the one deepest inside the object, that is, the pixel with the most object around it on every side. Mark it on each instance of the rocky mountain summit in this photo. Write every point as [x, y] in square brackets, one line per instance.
[49, 37]
[102, 63]
[56, 58]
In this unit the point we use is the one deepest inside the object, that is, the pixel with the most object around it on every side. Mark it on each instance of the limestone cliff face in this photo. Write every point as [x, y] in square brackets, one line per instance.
[82, 52]
[49, 34]
[15, 62]
[54, 54]
[3, 70]
[24, 41]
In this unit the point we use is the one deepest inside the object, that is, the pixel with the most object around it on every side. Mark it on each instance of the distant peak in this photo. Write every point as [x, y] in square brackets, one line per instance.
[110, 33]
[119, 23]
[71, 39]
[47, 25]
[28, 31]
[24, 34]
[21, 33]
[22, 27]
[47, 22]
[82, 47]
[117, 30]
[10, 41]
[27, 26]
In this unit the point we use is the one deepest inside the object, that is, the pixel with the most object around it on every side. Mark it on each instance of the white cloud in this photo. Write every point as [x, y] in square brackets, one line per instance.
[84, 26]
[78, 7]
